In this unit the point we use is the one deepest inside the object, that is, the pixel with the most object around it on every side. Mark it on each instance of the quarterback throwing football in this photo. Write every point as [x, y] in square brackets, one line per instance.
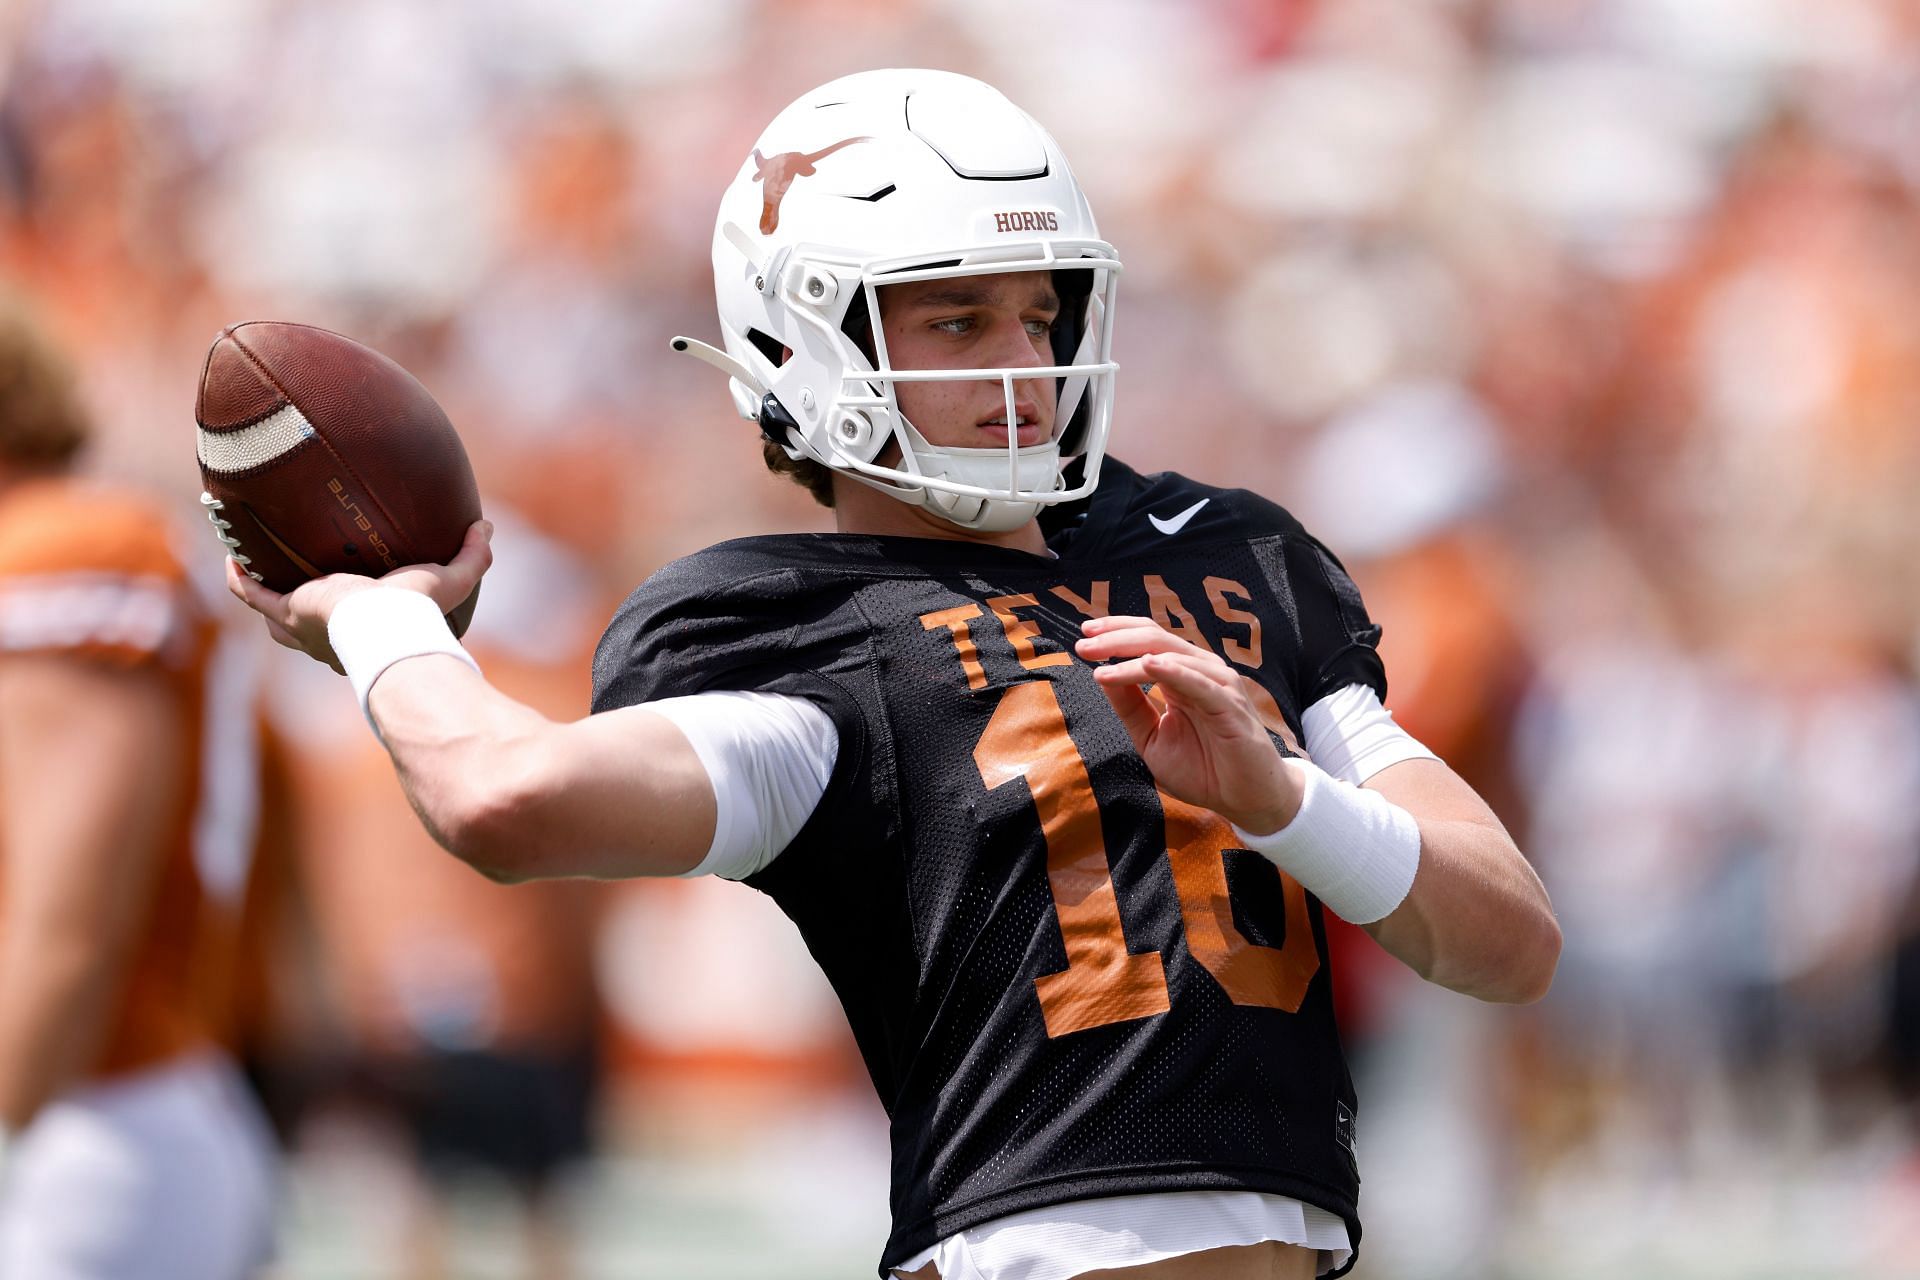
[1018, 748]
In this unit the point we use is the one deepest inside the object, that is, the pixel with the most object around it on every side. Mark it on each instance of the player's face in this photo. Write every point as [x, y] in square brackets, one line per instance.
[973, 322]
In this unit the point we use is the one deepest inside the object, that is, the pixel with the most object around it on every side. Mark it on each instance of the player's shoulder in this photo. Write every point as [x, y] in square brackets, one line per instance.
[1147, 509]
[733, 605]
[62, 526]
[723, 567]
[744, 575]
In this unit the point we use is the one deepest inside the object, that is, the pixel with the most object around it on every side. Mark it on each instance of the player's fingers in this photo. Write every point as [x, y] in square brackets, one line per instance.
[1138, 715]
[283, 636]
[1122, 622]
[257, 596]
[1144, 637]
[1132, 630]
[1129, 642]
[464, 571]
[1132, 671]
[1189, 684]
[1173, 678]
[479, 539]
[1113, 622]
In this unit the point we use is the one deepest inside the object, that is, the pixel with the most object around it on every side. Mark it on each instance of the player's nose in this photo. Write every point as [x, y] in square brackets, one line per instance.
[1017, 347]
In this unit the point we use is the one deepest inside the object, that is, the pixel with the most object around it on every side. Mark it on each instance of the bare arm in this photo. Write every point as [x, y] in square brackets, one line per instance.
[521, 797]
[91, 776]
[1476, 919]
[508, 791]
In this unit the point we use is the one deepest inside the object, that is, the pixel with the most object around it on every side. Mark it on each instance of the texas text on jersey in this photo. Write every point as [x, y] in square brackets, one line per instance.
[1090, 991]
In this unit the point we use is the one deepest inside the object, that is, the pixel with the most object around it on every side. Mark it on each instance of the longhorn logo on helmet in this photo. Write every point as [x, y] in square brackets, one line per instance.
[776, 173]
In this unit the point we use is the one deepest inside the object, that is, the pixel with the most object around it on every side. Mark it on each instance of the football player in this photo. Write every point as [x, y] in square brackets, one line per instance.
[1017, 748]
[129, 1148]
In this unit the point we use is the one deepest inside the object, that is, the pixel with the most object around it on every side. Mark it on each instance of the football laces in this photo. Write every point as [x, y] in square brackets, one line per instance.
[214, 507]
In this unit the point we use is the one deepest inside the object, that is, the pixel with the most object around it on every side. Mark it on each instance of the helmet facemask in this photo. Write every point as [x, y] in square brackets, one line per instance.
[867, 435]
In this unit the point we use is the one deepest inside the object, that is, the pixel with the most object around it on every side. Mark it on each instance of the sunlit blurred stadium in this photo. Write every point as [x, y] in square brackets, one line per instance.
[1587, 332]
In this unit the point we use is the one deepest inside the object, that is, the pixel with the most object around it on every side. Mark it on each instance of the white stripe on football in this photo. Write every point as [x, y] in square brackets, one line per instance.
[252, 446]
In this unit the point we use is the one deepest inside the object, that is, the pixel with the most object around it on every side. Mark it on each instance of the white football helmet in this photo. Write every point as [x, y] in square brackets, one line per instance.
[887, 177]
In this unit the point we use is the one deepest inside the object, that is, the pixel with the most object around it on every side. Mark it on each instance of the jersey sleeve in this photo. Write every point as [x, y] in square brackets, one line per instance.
[93, 576]
[719, 621]
[1339, 643]
[706, 622]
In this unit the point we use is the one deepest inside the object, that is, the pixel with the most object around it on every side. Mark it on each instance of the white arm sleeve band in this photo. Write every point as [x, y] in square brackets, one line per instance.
[769, 757]
[1354, 849]
[1353, 737]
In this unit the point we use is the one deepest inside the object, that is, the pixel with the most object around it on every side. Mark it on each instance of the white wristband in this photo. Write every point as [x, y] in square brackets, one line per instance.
[373, 629]
[1354, 849]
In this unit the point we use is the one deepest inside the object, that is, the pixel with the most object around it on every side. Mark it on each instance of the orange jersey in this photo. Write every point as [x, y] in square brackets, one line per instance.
[91, 572]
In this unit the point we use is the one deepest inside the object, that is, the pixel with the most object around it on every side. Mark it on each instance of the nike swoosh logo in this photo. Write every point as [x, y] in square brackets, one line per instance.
[1174, 524]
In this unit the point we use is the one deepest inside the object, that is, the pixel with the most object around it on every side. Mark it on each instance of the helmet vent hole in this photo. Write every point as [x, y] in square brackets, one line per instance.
[769, 346]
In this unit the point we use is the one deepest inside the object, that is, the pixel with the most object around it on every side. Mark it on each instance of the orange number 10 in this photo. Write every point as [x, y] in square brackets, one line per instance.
[1104, 982]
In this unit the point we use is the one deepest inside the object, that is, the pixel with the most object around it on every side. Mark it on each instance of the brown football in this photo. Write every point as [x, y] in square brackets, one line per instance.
[320, 455]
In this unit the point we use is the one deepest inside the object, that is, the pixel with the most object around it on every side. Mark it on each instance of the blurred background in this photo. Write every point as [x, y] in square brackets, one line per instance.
[1587, 332]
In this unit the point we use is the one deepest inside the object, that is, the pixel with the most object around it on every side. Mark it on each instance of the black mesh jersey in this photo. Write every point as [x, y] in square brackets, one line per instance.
[1065, 984]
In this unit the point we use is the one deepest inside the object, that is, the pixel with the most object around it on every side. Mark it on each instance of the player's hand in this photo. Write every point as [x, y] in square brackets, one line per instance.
[1196, 731]
[298, 619]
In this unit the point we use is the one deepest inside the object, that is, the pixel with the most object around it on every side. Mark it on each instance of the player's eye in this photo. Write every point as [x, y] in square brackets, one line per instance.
[955, 324]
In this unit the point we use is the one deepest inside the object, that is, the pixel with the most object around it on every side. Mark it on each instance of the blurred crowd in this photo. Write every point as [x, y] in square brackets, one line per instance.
[1587, 332]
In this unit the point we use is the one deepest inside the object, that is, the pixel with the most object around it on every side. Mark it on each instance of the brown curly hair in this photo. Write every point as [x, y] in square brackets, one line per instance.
[41, 422]
[805, 472]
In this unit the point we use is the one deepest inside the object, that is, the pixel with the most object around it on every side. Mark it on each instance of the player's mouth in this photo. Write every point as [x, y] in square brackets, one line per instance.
[1029, 428]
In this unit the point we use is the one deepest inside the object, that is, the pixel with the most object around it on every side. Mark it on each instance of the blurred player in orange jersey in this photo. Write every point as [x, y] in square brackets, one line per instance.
[469, 1007]
[128, 1145]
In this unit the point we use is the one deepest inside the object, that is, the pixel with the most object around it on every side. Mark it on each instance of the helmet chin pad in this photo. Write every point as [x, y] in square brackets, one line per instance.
[1036, 470]
[984, 515]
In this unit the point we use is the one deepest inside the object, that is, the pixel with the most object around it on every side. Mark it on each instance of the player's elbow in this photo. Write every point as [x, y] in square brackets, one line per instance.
[497, 860]
[1506, 955]
[1512, 946]
[498, 825]
[1531, 955]
[482, 835]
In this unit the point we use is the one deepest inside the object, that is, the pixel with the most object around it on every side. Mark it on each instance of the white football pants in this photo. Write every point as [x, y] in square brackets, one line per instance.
[165, 1174]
